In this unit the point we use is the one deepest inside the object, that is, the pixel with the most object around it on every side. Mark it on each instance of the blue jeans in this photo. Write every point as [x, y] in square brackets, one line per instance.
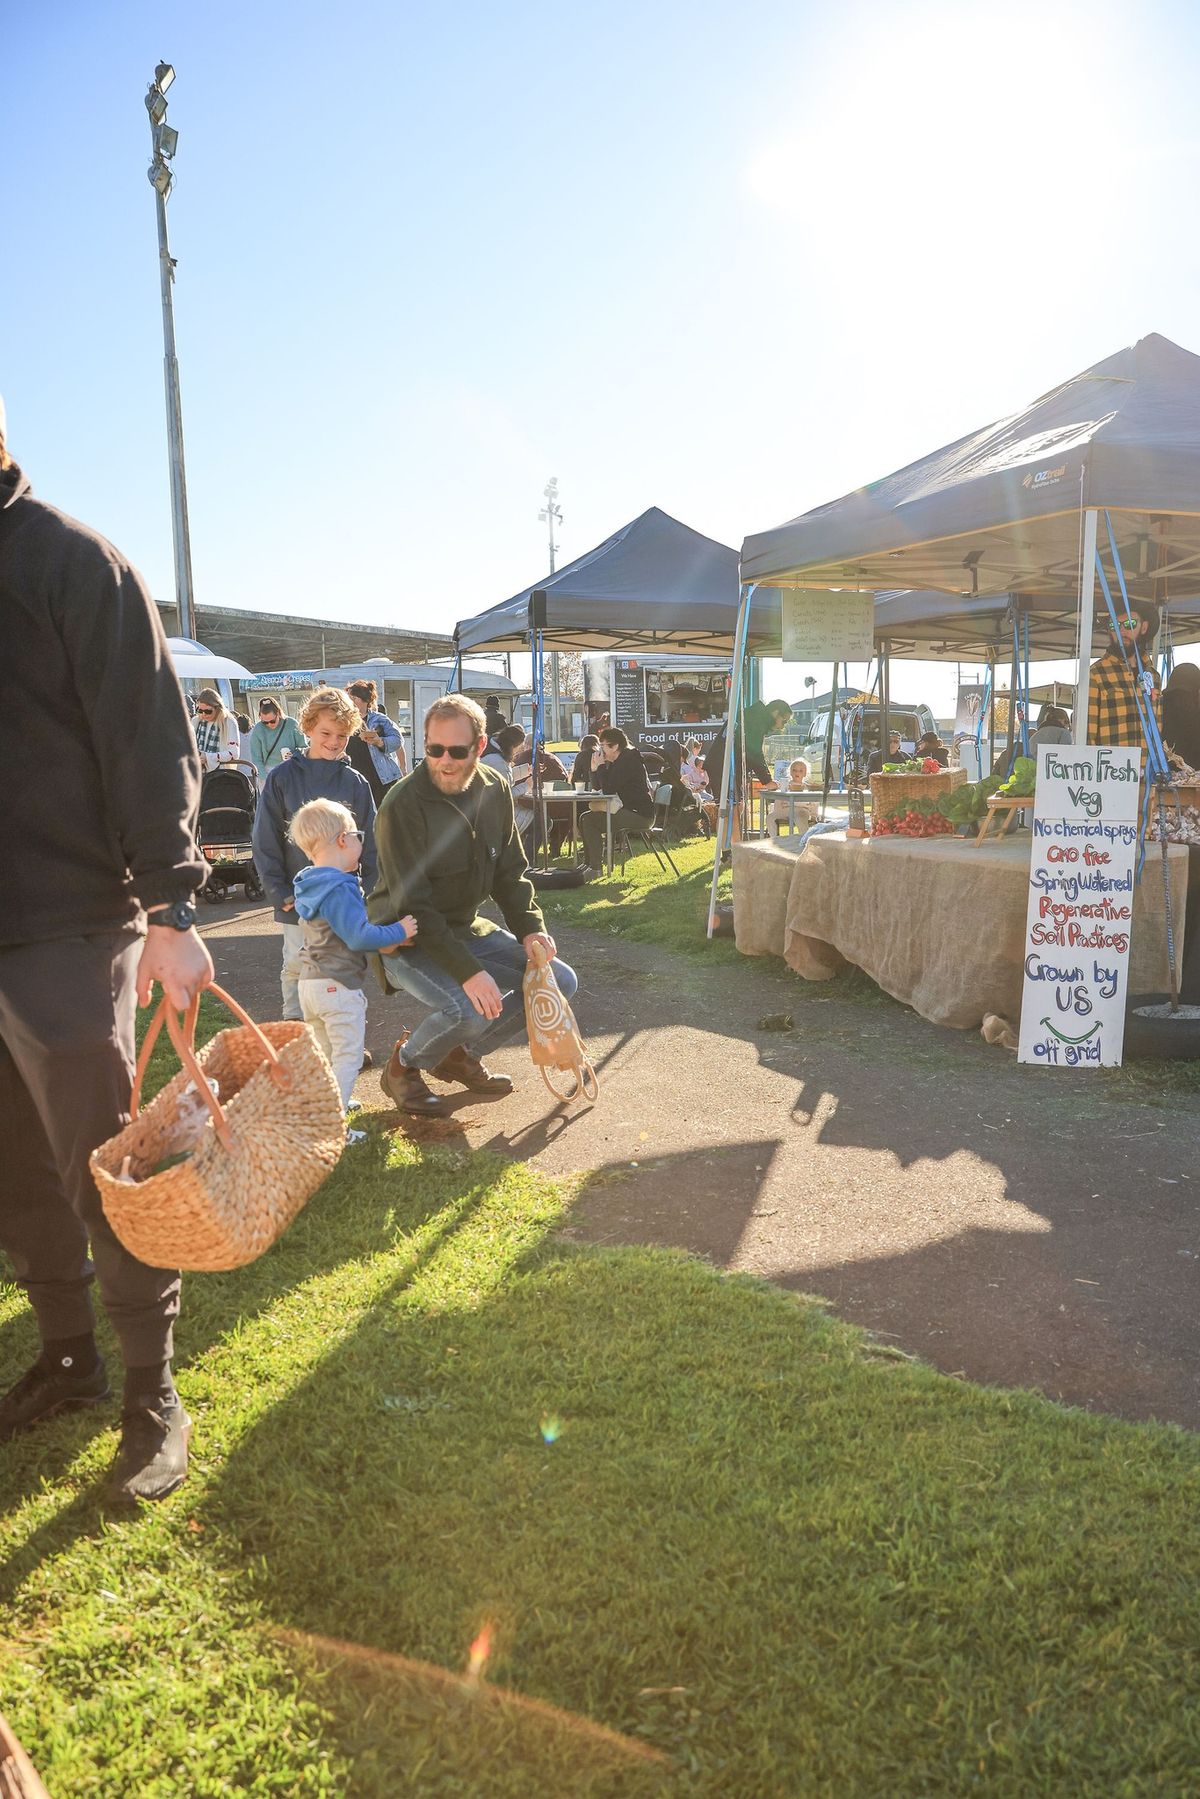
[453, 1021]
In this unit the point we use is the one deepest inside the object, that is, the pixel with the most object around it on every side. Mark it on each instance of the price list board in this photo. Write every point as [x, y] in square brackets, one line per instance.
[819, 626]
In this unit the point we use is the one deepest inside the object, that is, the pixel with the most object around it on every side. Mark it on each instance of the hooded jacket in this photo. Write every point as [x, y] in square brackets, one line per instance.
[302, 778]
[441, 859]
[337, 934]
[101, 774]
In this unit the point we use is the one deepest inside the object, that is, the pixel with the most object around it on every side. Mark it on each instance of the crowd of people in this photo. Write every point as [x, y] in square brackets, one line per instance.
[366, 866]
[360, 863]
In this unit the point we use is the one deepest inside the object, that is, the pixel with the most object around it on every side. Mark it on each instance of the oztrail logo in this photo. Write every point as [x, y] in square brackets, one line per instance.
[1045, 477]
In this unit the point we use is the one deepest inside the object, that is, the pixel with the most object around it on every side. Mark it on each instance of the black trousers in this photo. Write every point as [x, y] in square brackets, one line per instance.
[66, 1069]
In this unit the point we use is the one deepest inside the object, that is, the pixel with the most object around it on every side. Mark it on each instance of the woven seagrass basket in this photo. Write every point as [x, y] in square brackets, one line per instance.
[277, 1133]
[890, 791]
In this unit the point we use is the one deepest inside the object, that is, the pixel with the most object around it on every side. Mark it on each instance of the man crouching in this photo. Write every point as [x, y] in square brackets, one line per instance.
[447, 842]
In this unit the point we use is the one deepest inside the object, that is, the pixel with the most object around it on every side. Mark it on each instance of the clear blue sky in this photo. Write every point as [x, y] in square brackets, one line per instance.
[731, 261]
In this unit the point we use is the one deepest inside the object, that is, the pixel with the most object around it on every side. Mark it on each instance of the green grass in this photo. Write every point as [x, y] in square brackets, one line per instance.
[791, 1561]
[648, 905]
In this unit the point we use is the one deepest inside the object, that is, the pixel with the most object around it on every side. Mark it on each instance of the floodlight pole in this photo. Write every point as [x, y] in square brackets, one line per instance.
[161, 180]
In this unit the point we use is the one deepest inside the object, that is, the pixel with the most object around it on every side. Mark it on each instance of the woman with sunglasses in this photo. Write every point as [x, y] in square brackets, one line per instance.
[323, 772]
[217, 736]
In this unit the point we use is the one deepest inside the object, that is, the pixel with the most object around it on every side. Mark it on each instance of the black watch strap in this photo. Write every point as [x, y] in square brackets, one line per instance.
[180, 915]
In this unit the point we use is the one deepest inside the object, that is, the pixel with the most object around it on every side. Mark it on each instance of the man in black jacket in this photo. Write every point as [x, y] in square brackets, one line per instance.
[447, 843]
[101, 785]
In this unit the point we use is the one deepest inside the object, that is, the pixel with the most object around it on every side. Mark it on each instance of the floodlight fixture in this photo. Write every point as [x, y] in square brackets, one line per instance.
[156, 106]
[168, 141]
[164, 75]
[160, 178]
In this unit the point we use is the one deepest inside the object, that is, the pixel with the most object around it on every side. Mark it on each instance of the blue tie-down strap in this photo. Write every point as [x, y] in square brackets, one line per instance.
[830, 824]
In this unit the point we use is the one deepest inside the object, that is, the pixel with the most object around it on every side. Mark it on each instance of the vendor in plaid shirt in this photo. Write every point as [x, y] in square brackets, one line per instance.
[1112, 704]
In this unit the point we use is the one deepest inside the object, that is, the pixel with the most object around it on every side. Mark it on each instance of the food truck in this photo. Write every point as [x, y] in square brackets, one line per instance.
[654, 698]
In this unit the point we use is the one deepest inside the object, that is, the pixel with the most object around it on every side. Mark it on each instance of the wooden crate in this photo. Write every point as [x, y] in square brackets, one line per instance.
[1180, 797]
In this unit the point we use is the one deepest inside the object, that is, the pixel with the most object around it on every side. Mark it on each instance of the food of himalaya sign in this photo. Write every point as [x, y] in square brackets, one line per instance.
[820, 626]
[1080, 913]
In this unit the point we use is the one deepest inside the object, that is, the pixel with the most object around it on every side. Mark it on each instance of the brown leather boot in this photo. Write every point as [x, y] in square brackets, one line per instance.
[405, 1087]
[468, 1071]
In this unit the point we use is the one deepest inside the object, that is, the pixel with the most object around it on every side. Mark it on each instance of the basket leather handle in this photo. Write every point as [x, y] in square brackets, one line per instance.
[181, 1028]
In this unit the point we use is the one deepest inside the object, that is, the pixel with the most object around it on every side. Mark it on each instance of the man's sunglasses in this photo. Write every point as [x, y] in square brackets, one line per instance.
[1128, 624]
[457, 751]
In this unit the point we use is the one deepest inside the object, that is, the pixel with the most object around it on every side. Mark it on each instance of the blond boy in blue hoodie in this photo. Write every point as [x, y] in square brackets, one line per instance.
[337, 937]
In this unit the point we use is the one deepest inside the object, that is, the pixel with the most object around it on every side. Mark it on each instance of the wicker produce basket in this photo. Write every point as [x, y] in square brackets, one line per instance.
[890, 792]
[277, 1131]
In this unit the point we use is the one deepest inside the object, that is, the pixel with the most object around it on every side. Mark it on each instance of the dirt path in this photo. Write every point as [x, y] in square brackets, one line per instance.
[1014, 1227]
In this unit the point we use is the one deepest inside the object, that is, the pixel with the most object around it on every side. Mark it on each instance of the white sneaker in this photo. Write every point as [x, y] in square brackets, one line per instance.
[353, 1137]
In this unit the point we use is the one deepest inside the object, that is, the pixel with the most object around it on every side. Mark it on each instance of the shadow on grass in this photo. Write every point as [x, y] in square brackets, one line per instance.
[655, 1483]
[328, 1234]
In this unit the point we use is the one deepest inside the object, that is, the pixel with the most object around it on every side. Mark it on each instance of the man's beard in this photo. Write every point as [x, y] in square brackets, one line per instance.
[449, 776]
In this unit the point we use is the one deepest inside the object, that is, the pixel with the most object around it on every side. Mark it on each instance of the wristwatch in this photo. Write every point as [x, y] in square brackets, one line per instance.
[180, 915]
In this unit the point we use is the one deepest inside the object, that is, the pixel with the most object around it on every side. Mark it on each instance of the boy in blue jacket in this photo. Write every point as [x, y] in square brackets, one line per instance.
[337, 937]
[323, 772]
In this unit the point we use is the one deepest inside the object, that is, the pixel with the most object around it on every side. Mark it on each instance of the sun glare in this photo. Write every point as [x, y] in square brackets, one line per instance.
[981, 125]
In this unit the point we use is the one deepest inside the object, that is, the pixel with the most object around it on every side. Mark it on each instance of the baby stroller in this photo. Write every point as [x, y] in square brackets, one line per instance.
[228, 801]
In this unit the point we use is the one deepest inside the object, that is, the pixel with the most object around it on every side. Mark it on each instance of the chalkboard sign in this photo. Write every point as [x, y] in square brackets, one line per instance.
[828, 627]
[1080, 906]
[629, 695]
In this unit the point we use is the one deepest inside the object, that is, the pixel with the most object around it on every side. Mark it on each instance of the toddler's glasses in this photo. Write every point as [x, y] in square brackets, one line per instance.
[457, 751]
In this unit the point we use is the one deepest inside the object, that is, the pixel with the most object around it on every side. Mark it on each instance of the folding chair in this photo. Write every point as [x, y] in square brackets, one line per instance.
[655, 835]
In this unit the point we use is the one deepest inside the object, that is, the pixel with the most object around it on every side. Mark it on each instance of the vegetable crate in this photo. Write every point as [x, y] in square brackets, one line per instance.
[1180, 800]
[895, 793]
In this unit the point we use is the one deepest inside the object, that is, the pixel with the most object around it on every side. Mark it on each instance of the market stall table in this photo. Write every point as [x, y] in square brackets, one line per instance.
[575, 798]
[768, 799]
[935, 923]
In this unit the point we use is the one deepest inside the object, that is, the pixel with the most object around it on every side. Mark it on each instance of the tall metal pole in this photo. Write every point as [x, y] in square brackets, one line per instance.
[163, 141]
[550, 515]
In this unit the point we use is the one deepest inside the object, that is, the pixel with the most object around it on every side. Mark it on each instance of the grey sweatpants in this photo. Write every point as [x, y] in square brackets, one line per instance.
[66, 1068]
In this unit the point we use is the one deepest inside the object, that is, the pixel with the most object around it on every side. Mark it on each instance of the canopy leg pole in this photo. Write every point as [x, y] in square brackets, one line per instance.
[1014, 696]
[991, 710]
[540, 853]
[724, 792]
[885, 699]
[827, 780]
[1026, 703]
[1087, 602]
